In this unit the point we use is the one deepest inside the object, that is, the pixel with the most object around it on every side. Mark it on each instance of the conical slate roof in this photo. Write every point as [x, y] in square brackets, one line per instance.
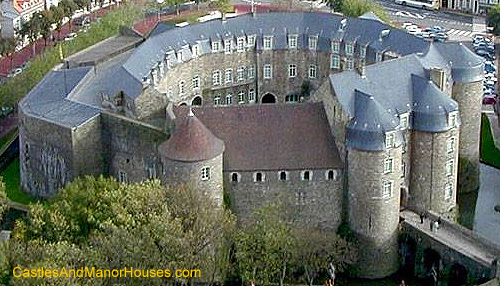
[367, 129]
[466, 66]
[430, 106]
[191, 142]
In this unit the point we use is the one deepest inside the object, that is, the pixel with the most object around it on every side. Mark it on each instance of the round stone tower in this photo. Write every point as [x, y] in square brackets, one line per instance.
[374, 172]
[467, 90]
[193, 155]
[435, 153]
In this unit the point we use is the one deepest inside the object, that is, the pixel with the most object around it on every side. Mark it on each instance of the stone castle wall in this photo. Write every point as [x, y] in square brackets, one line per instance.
[46, 156]
[469, 98]
[372, 215]
[311, 204]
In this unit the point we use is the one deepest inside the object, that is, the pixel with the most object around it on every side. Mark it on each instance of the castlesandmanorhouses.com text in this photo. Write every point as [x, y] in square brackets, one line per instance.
[104, 273]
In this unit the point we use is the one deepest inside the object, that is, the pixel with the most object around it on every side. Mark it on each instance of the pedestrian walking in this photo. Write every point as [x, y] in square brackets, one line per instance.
[422, 217]
[431, 224]
[402, 283]
[436, 225]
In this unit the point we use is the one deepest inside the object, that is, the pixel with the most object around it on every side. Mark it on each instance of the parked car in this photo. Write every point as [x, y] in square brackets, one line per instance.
[489, 68]
[489, 99]
[70, 37]
[5, 110]
[485, 54]
[15, 72]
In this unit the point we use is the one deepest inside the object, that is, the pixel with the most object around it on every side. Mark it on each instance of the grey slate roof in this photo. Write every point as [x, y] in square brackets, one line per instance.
[279, 25]
[394, 87]
[465, 65]
[48, 99]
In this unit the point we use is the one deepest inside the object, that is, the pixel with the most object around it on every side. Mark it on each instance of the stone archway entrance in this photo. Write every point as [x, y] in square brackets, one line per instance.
[196, 101]
[458, 275]
[268, 98]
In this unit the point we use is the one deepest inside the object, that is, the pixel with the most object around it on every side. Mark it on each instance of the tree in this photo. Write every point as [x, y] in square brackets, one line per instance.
[8, 48]
[57, 17]
[316, 249]
[356, 8]
[335, 5]
[224, 6]
[69, 7]
[46, 21]
[265, 246]
[110, 225]
[493, 18]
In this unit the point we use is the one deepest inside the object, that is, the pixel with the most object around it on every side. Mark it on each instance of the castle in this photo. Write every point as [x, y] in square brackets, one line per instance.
[345, 119]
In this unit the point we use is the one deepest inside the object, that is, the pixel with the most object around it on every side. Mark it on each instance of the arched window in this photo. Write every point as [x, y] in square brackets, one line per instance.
[196, 101]
[258, 177]
[306, 175]
[331, 175]
[268, 98]
[283, 176]
[234, 177]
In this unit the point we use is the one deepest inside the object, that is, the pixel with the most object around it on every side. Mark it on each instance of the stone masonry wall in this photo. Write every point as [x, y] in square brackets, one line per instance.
[191, 173]
[131, 147]
[372, 216]
[46, 156]
[312, 204]
[428, 171]
[87, 156]
[469, 99]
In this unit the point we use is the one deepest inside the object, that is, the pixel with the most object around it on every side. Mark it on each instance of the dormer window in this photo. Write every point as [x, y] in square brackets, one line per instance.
[313, 43]
[227, 46]
[389, 140]
[258, 177]
[453, 119]
[403, 121]
[215, 47]
[292, 41]
[267, 43]
[348, 49]
[378, 57]
[335, 47]
[180, 56]
[251, 41]
[283, 176]
[240, 44]
[235, 177]
[331, 175]
[306, 175]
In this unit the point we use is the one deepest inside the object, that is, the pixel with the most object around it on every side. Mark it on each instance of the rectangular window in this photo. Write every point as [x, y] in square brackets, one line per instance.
[448, 192]
[348, 49]
[196, 50]
[227, 46]
[216, 78]
[292, 41]
[251, 73]
[241, 44]
[335, 47]
[229, 99]
[251, 95]
[196, 82]
[378, 57]
[452, 119]
[387, 189]
[241, 74]
[251, 41]
[403, 121]
[122, 176]
[449, 168]
[268, 72]
[450, 145]
[389, 140]
[349, 64]
[228, 76]
[268, 43]
[292, 71]
[241, 97]
[205, 173]
[180, 56]
[217, 100]
[403, 168]
[313, 43]
[335, 61]
[388, 164]
[312, 71]
[215, 46]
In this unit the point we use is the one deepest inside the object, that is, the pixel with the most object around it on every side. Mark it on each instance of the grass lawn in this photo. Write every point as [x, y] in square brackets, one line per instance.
[489, 154]
[12, 178]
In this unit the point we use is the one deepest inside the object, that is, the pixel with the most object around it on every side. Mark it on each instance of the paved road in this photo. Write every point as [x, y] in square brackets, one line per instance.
[486, 219]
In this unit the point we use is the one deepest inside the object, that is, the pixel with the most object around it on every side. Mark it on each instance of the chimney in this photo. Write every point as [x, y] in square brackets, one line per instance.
[437, 76]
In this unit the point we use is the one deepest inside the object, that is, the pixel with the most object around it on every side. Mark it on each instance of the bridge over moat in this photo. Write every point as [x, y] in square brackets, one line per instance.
[458, 254]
